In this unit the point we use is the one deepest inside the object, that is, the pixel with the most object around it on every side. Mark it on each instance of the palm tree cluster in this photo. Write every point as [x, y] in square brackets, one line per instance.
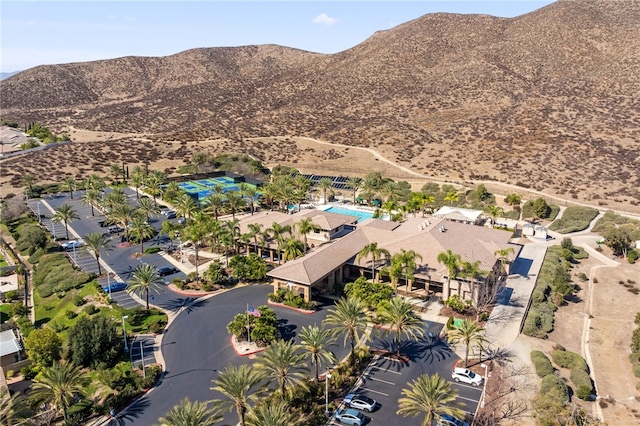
[285, 190]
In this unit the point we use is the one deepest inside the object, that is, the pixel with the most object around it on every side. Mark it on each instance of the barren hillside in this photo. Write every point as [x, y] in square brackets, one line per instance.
[549, 100]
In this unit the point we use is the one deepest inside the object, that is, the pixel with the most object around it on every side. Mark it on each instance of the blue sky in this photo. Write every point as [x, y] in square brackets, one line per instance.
[53, 32]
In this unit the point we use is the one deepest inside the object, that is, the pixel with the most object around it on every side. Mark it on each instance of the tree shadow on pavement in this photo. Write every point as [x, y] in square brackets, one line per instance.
[287, 331]
[188, 303]
[130, 414]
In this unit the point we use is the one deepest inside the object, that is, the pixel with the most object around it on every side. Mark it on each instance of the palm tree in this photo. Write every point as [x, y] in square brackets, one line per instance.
[494, 211]
[70, 184]
[28, 181]
[249, 192]
[254, 231]
[235, 202]
[503, 257]
[196, 232]
[116, 171]
[171, 229]
[452, 262]
[137, 179]
[430, 396]
[326, 186]
[277, 232]
[229, 236]
[394, 271]
[94, 182]
[12, 408]
[122, 215]
[376, 254]
[65, 213]
[113, 199]
[185, 206]
[316, 342]
[470, 333]
[389, 206]
[275, 413]
[91, 197]
[292, 249]
[214, 202]
[153, 183]
[283, 363]
[353, 183]
[391, 191]
[189, 413]
[269, 194]
[145, 279]
[399, 315]
[59, 385]
[514, 201]
[452, 197]
[141, 230]
[350, 317]
[306, 226]
[97, 243]
[236, 383]
[409, 264]
[148, 208]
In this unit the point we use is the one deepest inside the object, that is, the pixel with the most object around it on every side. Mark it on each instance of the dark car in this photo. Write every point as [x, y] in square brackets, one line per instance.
[171, 214]
[167, 270]
[116, 286]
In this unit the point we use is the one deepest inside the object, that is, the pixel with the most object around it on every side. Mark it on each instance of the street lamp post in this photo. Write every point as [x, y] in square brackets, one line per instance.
[484, 390]
[144, 373]
[124, 332]
[39, 216]
[326, 394]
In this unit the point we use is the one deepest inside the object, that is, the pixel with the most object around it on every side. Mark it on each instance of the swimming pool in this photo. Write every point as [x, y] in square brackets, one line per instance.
[362, 215]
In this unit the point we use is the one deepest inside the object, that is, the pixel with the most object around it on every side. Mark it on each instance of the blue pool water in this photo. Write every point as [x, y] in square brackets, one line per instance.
[362, 215]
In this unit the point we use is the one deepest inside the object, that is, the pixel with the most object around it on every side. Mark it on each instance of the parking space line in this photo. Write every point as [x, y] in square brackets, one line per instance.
[387, 371]
[476, 388]
[373, 391]
[468, 399]
[380, 380]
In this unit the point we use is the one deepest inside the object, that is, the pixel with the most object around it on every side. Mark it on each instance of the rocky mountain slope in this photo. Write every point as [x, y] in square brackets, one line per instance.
[548, 100]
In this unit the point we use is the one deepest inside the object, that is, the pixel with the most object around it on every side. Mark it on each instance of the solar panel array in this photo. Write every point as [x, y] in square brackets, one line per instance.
[338, 182]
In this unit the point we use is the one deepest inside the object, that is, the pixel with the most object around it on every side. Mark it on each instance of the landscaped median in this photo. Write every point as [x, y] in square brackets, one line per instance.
[286, 298]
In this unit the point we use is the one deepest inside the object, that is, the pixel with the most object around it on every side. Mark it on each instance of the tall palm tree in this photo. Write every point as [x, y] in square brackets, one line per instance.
[503, 257]
[494, 211]
[113, 199]
[91, 197]
[172, 191]
[28, 181]
[153, 183]
[283, 363]
[350, 318]
[70, 184]
[451, 261]
[275, 413]
[12, 408]
[254, 232]
[277, 232]
[430, 396]
[514, 201]
[306, 226]
[394, 271]
[189, 413]
[145, 279]
[391, 191]
[292, 249]
[376, 254]
[452, 197]
[470, 333]
[171, 229]
[399, 315]
[122, 215]
[94, 182]
[353, 183]
[196, 232]
[148, 208]
[326, 186]
[316, 342]
[59, 385]
[141, 230]
[237, 384]
[116, 171]
[235, 203]
[409, 264]
[66, 214]
[137, 179]
[214, 202]
[269, 194]
[185, 206]
[249, 192]
[97, 243]
[389, 206]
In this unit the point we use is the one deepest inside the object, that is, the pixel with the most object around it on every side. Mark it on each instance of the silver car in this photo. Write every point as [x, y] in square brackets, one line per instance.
[360, 402]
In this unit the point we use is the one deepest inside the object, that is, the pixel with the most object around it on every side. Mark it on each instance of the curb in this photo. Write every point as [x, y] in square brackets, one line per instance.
[302, 311]
[231, 339]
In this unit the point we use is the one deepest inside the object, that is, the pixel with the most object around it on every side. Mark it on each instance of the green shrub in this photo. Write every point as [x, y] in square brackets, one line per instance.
[636, 370]
[78, 300]
[18, 309]
[574, 218]
[583, 277]
[11, 295]
[542, 364]
[457, 304]
[91, 309]
[25, 326]
[569, 360]
[70, 314]
[633, 255]
[554, 382]
[157, 326]
[151, 250]
[35, 257]
[581, 380]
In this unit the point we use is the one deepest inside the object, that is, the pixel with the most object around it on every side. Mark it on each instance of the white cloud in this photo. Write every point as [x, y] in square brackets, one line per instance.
[324, 19]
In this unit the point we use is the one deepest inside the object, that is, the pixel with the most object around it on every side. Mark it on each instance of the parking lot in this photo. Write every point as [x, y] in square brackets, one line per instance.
[385, 377]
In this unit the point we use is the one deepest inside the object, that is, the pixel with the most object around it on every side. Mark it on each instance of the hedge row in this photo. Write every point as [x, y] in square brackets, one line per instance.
[542, 364]
[579, 371]
[55, 274]
[551, 382]
[574, 219]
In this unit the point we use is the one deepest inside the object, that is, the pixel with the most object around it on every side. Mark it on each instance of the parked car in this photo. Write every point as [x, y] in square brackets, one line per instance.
[360, 402]
[466, 376]
[170, 214]
[115, 286]
[167, 270]
[115, 228]
[69, 245]
[182, 220]
[447, 420]
[350, 416]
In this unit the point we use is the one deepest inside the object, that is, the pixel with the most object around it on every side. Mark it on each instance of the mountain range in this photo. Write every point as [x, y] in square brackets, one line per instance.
[549, 100]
